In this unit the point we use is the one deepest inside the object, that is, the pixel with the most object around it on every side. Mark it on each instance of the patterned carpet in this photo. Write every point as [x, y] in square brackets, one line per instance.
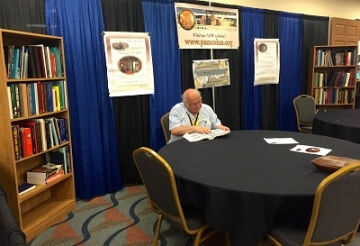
[123, 218]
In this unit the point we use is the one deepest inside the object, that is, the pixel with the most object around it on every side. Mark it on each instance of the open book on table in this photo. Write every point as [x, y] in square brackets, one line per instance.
[195, 137]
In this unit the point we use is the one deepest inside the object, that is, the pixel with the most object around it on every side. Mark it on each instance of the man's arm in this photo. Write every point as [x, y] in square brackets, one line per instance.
[181, 130]
[222, 127]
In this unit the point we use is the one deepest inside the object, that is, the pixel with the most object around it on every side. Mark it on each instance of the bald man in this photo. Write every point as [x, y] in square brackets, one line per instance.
[191, 115]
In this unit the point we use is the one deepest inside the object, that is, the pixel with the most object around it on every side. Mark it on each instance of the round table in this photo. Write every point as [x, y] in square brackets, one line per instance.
[245, 185]
[338, 123]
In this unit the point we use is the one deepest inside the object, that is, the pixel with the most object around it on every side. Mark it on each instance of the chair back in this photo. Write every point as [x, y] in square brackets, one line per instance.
[305, 109]
[159, 182]
[165, 126]
[336, 213]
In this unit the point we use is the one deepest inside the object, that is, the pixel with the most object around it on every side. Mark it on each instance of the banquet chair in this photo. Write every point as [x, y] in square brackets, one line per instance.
[335, 216]
[165, 126]
[305, 109]
[159, 181]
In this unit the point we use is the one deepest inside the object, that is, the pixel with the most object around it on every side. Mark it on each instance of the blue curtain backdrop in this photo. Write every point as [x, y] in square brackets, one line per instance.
[160, 23]
[252, 27]
[95, 151]
[290, 68]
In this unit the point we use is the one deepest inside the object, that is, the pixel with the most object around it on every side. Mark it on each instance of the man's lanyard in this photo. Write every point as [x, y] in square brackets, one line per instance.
[196, 119]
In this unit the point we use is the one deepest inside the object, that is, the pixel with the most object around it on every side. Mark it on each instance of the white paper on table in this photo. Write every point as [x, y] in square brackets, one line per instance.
[311, 150]
[280, 141]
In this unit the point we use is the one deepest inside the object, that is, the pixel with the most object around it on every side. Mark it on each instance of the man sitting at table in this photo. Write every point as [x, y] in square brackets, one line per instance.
[191, 115]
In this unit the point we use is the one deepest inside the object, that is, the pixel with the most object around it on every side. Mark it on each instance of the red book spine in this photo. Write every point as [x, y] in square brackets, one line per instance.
[26, 141]
[41, 99]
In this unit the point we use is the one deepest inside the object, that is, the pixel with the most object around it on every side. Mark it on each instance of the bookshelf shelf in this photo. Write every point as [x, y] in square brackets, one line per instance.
[332, 76]
[37, 101]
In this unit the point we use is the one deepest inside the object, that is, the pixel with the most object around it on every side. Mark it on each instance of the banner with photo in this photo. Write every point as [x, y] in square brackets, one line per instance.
[206, 27]
[211, 73]
[129, 63]
[267, 61]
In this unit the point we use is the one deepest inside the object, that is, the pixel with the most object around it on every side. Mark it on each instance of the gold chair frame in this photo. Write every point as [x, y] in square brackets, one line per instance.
[165, 126]
[345, 238]
[180, 217]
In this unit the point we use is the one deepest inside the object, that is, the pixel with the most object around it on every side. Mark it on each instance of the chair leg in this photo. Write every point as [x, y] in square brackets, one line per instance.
[157, 232]
[199, 238]
[227, 239]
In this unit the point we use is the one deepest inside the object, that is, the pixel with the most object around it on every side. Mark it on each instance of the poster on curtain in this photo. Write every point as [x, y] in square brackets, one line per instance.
[211, 73]
[267, 61]
[129, 63]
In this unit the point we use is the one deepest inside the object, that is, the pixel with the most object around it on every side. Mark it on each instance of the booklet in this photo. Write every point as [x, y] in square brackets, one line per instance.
[281, 141]
[311, 150]
[195, 137]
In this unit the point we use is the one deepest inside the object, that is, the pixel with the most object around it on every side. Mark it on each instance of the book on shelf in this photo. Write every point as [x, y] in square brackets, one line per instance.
[45, 174]
[32, 70]
[44, 171]
[56, 53]
[10, 60]
[41, 131]
[49, 97]
[60, 90]
[62, 128]
[60, 156]
[54, 133]
[26, 141]
[15, 66]
[25, 187]
[15, 100]
[23, 100]
[16, 140]
[195, 137]
[10, 102]
[35, 134]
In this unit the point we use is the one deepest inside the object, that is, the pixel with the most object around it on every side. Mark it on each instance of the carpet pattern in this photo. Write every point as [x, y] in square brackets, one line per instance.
[122, 218]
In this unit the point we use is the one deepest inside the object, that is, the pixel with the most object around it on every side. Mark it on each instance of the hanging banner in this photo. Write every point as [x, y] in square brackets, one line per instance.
[129, 63]
[267, 61]
[211, 73]
[206, 27]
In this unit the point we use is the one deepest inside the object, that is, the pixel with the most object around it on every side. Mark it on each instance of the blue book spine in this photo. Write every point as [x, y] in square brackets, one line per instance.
[15, 67]
[33, 98]
[49, 97]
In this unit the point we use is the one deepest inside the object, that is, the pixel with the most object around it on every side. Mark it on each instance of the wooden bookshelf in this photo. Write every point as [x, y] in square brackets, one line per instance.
[332, 76]
[38, 209]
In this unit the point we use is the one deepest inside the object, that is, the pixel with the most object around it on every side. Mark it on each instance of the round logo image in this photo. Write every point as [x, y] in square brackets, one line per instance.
[186, 19]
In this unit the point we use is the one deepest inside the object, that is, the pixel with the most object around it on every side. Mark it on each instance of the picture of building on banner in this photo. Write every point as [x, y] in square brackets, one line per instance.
[129, 63]
[206, 27]
[211, 73]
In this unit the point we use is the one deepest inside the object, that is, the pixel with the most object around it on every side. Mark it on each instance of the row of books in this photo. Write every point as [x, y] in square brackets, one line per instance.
[334, 96]
[37, 135]
[331, 58]
[33, 61]
[335, 79]
[35, 98]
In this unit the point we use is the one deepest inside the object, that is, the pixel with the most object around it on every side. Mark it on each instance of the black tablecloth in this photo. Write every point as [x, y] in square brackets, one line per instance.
[245, 185]
[340, 123]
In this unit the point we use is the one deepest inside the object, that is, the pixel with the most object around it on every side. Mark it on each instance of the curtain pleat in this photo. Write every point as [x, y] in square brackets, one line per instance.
[252, 27]
[290, 68]
[131, 113]
[158, 18]
[270, 93]
[96, 164]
